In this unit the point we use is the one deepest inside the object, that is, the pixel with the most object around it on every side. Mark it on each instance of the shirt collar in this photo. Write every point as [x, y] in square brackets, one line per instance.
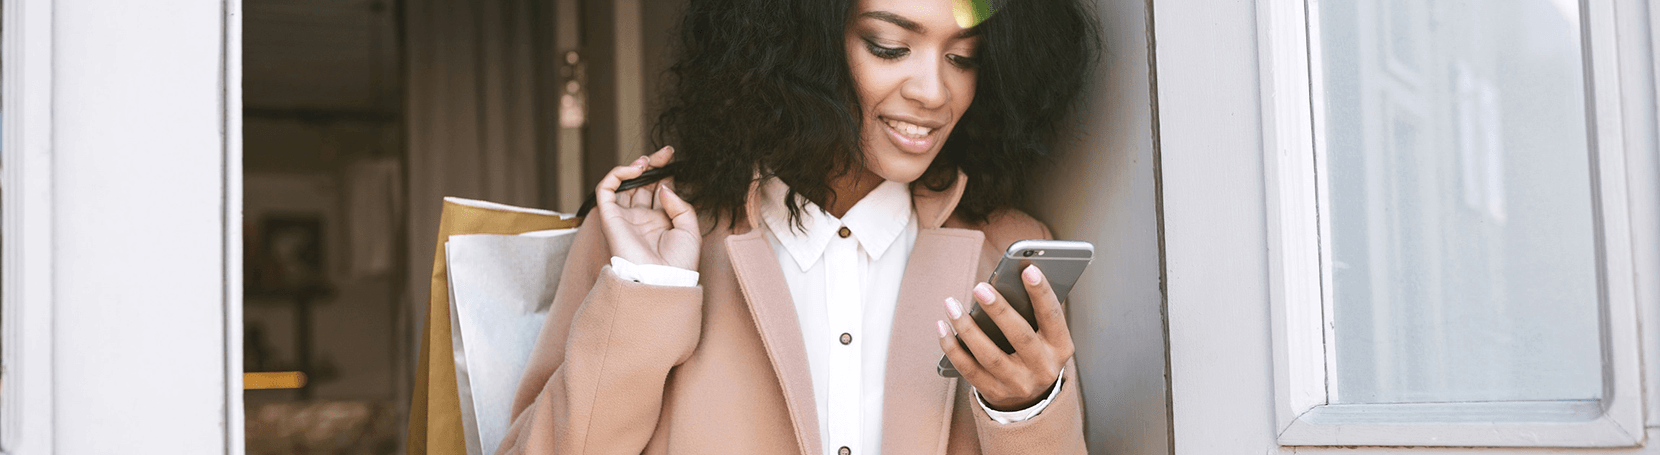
[875, 221]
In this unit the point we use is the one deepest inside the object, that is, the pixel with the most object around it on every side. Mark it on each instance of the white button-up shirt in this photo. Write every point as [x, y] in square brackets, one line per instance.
[845, 290]
[845, 285]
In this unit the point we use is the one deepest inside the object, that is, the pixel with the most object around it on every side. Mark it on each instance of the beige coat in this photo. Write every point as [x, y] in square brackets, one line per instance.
[623, 367]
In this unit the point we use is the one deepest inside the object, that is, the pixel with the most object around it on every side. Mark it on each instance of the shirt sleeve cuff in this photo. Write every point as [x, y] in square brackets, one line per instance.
[1023, 414]
[652, 274]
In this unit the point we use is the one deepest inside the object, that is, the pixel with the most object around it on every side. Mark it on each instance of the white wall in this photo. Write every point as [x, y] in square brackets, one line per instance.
[1102, 191]
[139, 157]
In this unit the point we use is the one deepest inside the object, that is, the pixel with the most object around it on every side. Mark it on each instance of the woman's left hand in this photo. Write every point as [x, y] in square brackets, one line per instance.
[1010, 382]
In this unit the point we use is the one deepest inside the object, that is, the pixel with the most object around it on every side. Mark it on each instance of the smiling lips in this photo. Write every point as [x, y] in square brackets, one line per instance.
[909, 136]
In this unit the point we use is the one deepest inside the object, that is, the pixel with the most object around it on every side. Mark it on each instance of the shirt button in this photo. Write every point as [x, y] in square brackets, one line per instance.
[844, 450]
[847, 338]
[844, 232]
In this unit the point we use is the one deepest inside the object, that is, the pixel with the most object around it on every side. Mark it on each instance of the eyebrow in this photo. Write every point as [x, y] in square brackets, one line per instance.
[895, 19]
[914, 27]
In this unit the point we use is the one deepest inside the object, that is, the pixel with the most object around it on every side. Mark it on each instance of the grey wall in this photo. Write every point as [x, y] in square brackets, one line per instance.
[1102, 190]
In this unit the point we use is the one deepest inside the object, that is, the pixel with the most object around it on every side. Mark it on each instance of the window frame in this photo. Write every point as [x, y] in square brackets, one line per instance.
[1299, 275]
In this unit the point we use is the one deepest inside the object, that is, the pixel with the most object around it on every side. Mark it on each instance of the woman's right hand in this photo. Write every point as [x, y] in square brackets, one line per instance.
[649, 224]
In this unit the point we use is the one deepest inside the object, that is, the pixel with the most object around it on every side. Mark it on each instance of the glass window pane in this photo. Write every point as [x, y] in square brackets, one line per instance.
[1462, 243]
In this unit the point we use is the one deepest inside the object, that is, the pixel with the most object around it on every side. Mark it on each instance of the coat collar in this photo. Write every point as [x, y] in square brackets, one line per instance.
[942, 264]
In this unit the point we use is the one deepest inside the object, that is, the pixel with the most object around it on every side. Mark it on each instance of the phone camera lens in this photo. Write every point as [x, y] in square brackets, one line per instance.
[1028, 253]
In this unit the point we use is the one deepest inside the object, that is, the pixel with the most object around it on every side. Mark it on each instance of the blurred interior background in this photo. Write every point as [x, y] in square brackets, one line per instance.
[360, 115]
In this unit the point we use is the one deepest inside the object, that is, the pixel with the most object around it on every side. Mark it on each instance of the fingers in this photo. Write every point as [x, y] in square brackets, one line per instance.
[966, 365]
[1004, 380]
[1051, 318]
[985, 351]
[605, 194]
[613, 179]
[647, 195]
[680, 213]
[1014, 326]
[625, 172]
[660, 158]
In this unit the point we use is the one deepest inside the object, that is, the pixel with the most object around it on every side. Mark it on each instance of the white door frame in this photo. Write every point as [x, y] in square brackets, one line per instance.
[122, 215]
[26, 302]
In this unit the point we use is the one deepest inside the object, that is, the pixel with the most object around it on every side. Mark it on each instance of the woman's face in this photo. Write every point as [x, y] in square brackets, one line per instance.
[914, 69]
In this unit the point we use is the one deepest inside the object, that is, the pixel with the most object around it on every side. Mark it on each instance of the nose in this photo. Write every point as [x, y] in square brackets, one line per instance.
[926, 86]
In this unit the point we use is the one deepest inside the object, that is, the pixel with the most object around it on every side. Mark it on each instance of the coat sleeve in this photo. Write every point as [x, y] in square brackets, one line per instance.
[594, 383]
[1059, 429]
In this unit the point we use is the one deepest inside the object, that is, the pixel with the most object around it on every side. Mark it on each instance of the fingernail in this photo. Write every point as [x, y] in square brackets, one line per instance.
[943, 331]
[984, 293]
[1032, 275]
[953, 308]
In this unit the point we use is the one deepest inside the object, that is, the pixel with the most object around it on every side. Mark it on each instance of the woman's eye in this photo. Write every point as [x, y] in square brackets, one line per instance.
[886, 53]
[963, 62]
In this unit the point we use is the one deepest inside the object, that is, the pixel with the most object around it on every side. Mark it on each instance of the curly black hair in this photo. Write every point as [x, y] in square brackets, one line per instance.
[764, 86]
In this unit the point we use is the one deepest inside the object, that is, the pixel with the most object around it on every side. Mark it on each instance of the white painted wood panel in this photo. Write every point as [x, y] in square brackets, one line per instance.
[1643, 173]
[1216, 277]
[26, 413]
[230, 102]
[139, 169]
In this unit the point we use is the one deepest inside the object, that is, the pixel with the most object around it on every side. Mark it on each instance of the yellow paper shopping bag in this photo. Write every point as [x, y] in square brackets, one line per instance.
[435, 425]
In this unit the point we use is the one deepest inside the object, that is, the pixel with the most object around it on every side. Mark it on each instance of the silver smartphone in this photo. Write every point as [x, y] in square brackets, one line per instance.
[1062, 262]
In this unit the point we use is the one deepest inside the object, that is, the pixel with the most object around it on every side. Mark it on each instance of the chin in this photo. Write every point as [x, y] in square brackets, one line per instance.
[891, 163]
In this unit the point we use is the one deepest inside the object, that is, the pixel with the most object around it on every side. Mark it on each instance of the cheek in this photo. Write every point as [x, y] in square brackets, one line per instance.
[871, 85]
[962, 85]
[866, 72]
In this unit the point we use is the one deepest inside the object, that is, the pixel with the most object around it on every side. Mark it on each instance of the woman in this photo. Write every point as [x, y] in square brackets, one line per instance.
[845, 174]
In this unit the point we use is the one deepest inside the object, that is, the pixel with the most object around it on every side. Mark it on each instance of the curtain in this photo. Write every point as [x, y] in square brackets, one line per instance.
[472, 110]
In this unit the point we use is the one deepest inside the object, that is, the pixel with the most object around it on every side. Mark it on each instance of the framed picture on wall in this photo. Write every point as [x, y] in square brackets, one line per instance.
[287, 254]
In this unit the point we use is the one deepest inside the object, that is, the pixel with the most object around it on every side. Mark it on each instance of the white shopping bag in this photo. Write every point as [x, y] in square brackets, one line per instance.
[500, 289]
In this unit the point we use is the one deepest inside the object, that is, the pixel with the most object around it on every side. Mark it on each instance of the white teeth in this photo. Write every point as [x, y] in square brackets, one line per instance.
[910, 129]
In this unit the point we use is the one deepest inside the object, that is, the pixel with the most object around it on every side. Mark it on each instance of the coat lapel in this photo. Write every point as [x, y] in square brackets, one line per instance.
[943, 264]
[763, 285]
